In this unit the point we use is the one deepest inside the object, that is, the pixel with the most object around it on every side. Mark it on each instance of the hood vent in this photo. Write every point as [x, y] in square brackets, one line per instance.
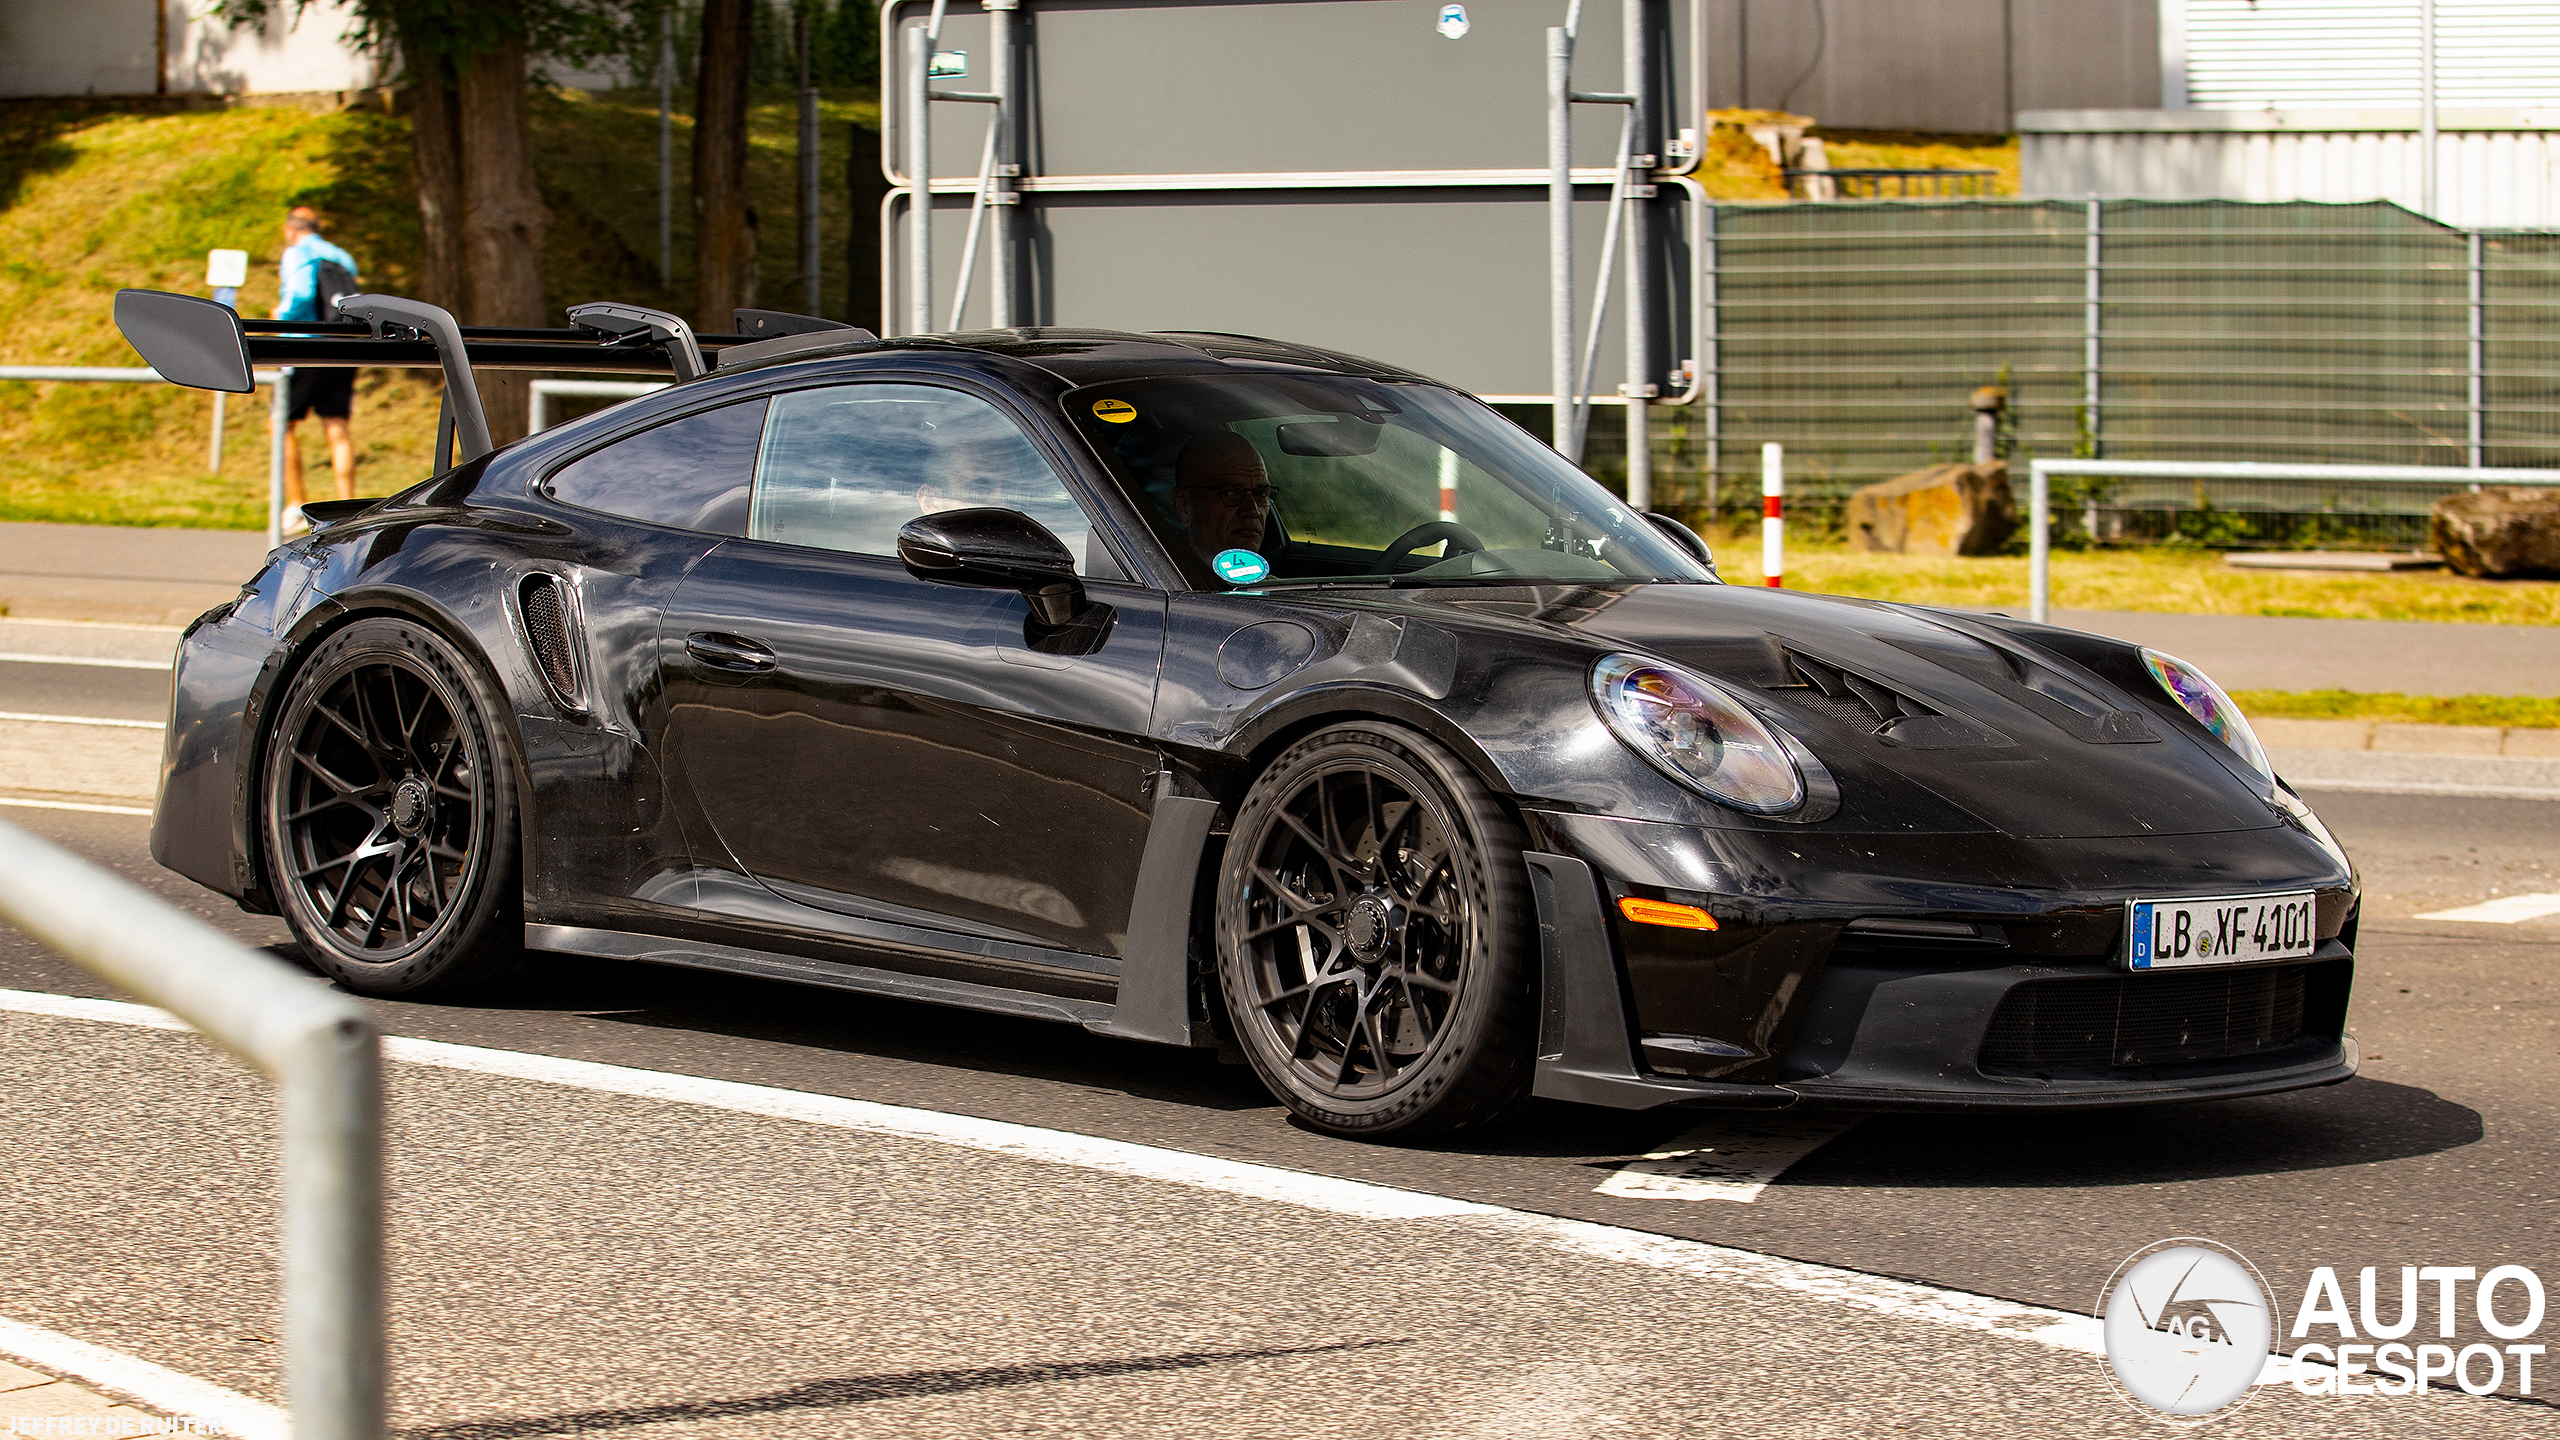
[549, 610]
[1859, 703]
[2075, 708]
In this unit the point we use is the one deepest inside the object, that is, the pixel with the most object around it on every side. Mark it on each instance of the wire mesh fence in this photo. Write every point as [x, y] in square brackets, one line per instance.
[2126, 329]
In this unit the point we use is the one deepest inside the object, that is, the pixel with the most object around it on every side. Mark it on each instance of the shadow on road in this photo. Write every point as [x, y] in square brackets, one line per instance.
[860, 1390]
[2358, 1123]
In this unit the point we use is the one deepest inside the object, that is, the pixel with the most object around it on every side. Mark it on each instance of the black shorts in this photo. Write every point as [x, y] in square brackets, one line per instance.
[327, 391]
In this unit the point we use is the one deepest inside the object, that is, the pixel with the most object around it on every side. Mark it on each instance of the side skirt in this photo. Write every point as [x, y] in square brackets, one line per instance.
[832, 974]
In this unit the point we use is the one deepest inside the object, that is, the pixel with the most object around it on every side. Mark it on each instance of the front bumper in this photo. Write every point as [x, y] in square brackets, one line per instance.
[1807, 997]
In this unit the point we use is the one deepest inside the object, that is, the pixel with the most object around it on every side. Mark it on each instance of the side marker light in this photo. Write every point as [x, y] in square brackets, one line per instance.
[1663, 912]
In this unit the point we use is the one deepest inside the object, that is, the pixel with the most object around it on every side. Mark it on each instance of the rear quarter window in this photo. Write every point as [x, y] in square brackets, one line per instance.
[692, 473]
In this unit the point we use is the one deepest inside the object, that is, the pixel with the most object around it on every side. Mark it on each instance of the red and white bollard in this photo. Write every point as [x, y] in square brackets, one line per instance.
[1773, 513]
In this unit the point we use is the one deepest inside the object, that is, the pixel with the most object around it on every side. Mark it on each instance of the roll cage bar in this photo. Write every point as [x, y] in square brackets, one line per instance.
[198, 343]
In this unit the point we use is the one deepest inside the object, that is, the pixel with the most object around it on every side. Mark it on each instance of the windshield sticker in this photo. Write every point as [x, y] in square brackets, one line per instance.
[1114, 412]
[1237, 567]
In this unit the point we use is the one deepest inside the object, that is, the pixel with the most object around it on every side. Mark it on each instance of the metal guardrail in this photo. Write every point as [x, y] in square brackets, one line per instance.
[543, 390]
[2040, 494]
[321, 1050]
[278, 382]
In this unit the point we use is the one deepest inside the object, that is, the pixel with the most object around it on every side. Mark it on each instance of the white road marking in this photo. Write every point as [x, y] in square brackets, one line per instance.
[154, 1387]
[2505, 910]
[1732, 1157]
[15, 657]
[76, 805]
[2429, 787]
[1898, 1299]
[169, 630]
[42, 719]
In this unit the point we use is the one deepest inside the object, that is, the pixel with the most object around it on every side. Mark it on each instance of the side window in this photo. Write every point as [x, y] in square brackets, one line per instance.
[844, 467]
[692, 473]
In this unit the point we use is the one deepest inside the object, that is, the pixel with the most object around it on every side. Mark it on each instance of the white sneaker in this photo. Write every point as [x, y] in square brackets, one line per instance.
[295, 522]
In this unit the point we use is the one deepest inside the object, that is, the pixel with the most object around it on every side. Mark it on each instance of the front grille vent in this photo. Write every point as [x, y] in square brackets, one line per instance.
[2131, 1021]
[550, 628]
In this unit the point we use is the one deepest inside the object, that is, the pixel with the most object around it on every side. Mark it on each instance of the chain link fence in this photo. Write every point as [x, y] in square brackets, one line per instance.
[2125, 329]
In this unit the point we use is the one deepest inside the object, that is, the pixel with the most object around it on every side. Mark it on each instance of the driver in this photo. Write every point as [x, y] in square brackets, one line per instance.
[973, 474]
[1221, 496]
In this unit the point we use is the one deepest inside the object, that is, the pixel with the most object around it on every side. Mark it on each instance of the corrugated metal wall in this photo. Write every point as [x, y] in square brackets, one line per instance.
[2341, 54]
[1853, 333]
[2493, 169]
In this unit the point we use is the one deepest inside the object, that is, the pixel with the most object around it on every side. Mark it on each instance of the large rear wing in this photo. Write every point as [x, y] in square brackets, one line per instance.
[198, 343]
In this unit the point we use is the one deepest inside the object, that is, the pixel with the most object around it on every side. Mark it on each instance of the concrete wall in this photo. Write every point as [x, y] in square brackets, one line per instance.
[102, 47]
[1956, 66]
[131, 47]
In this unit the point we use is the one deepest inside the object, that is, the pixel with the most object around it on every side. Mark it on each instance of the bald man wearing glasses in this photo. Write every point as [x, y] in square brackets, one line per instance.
[1221, 495]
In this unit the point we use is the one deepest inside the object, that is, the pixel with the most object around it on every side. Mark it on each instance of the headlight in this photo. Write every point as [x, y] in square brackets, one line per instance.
[2213, 710]
[1696, 733]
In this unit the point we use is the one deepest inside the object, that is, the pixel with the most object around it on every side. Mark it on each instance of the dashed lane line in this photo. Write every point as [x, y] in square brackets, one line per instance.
[1732, 1157]
[17, 657]
[2505, 910]
[40, 718]
[77, 805]
[1897, 1299]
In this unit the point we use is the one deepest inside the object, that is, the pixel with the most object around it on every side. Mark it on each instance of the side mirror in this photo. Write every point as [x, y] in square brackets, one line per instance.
[997, 549]
[1691, 543]
[191, 341]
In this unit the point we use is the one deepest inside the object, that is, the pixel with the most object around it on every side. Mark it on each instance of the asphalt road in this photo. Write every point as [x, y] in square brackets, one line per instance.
[637, 1263]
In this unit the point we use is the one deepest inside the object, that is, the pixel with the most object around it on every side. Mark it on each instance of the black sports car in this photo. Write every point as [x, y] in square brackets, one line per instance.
[1211, 690]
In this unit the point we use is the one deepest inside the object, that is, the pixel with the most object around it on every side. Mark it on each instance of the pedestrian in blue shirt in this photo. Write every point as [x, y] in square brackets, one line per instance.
[316, 274]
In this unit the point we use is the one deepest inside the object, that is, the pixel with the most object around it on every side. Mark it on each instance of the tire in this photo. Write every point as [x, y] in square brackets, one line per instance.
[1379, 1000]
[388, 816]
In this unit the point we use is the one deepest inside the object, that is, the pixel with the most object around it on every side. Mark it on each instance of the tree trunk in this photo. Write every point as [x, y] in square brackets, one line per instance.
[504, 221]
[723, 238]
[436, 136]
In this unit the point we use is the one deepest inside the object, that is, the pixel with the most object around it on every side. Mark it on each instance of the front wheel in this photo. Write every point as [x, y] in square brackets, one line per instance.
[390, 815]
[1374, 937]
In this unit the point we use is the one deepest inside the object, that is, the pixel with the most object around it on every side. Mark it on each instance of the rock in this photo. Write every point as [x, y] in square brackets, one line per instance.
[1943, 510]
[2498, 529]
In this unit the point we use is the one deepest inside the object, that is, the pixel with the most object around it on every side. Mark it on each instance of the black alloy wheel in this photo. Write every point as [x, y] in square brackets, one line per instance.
[1373, 937]
[390, 816]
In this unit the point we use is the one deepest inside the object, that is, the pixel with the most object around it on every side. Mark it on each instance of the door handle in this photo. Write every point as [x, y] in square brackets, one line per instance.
[728, 652]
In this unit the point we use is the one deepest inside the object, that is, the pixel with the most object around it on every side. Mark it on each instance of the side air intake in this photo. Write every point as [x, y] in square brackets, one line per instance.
[550, 613]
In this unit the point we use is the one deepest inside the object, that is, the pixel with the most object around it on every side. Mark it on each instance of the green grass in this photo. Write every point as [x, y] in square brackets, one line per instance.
[98, 195]
[2173, 580]
[2512, 711]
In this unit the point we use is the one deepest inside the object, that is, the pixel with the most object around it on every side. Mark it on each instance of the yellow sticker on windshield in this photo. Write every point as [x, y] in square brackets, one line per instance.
[1114, 412]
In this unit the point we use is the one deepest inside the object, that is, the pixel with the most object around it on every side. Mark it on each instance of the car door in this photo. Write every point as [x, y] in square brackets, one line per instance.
[912, 752]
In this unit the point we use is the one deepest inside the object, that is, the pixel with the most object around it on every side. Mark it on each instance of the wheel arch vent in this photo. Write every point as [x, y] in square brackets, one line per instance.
[547, 606]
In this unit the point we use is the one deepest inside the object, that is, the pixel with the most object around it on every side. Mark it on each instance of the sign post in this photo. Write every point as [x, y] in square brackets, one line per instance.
[226, 271]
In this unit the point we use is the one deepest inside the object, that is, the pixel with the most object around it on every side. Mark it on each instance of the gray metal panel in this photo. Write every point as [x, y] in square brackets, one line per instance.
[1451, 283]
[1121, 87]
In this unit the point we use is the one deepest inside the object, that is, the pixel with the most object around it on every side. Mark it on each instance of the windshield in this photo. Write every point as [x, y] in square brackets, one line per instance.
[1278, 480]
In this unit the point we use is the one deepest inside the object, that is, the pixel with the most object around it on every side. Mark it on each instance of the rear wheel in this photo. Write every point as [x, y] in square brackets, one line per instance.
[1373, 937]
[390, 815]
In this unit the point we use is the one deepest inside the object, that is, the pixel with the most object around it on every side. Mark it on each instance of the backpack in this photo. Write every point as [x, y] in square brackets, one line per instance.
[336, 283]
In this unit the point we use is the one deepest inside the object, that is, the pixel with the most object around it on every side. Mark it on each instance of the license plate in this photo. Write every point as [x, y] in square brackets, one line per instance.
[2220, 930]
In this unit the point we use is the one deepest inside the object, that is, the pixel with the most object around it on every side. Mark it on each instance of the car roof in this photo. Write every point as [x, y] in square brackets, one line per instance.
[1082, 357]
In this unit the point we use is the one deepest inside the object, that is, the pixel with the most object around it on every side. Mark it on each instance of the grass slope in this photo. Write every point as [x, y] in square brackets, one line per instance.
[96, 196]
[2174, 581]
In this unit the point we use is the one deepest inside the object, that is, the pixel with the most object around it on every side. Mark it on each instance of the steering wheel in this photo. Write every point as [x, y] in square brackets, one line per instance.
[1461, 540]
